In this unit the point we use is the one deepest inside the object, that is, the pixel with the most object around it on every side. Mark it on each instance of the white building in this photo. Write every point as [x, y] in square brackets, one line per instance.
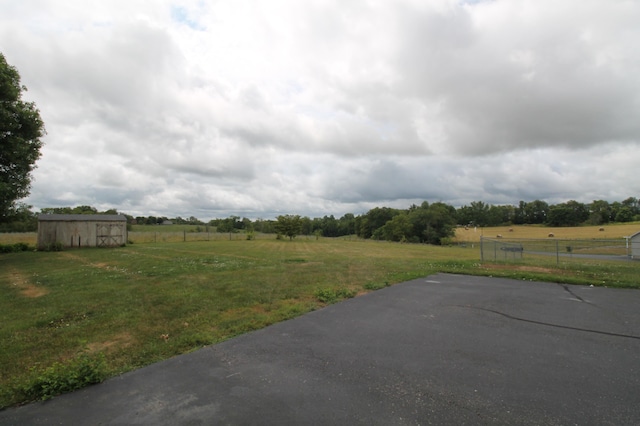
[634, 242]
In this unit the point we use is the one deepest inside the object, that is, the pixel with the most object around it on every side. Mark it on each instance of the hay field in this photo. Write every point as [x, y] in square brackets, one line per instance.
[610, 231]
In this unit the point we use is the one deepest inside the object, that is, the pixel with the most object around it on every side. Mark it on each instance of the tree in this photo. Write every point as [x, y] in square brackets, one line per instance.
[625, 214]
[20, 131]
[600, 212]
[440, 223]
[571, 213]
[289, 225]
[230, 224]
[22, 219]
[534, 212]
[374, 219]
[399, 228]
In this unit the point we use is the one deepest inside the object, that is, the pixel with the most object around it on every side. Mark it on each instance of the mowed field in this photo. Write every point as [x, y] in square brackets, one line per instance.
[610, 231]
[127, 307]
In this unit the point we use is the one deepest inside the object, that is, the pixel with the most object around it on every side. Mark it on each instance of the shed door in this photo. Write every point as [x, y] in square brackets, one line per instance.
[109, 235]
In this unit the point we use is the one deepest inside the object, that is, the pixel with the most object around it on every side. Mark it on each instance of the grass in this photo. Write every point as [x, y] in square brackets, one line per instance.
[74, 317]
[610, 231]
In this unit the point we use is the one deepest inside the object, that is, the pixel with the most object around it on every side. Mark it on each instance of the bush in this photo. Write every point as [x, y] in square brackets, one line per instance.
[61, 378]
[13, 248]
[57, 246]
[376, 286]
[328, 295]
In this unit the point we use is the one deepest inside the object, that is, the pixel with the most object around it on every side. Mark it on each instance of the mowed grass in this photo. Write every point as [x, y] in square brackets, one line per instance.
[142, 303]
[146, 302]
[609, 231]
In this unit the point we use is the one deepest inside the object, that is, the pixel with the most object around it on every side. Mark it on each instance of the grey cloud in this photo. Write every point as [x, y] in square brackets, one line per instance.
[505, 83]
[327, 108]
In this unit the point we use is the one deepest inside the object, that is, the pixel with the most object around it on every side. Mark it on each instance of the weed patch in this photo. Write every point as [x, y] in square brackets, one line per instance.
[376, 285]
[60, 378]
[333, 295]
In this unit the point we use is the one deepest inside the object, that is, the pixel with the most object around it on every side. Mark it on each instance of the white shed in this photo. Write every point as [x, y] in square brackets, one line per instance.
[82, 230]
[634, 242]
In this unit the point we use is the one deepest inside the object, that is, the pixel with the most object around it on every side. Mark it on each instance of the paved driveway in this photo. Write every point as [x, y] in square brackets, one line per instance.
[446, 349]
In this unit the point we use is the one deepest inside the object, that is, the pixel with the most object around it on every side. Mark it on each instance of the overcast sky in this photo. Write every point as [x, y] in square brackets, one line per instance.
[257, 108]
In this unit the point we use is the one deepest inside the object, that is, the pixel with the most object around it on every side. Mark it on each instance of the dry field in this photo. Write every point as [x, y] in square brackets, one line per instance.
[611, 231]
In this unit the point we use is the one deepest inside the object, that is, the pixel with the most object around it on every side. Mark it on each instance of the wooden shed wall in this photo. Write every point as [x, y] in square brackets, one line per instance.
[82, 233]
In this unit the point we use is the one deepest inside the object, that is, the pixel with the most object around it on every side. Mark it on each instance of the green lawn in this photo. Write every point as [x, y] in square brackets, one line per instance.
[67, 314]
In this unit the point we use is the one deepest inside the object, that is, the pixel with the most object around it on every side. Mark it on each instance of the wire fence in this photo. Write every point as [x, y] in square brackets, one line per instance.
[498, 249]
[185, 236]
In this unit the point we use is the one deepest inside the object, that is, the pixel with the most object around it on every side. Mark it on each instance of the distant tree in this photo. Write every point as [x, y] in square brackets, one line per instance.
[20, 131]
[84, 210]
[500, 215]
[534, 212]
[518, 217]
[374, 219]
[561, 216]
[306, 226]
[289, 225]
[624, 214]
[440, 223]
[600, 212]
[264, 226]
[633, 204]
[230, 224]
[347, 224]
[429, 223]
[246, 224]
[399, 228]
[571, 213]
[22, 219]
[329, 226]
[478, 212]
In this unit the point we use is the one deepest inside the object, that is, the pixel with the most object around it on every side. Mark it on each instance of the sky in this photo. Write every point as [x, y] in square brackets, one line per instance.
[324, 107]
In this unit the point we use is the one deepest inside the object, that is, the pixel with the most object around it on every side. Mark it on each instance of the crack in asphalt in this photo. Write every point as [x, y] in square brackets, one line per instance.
[548, 324]
[568, 290]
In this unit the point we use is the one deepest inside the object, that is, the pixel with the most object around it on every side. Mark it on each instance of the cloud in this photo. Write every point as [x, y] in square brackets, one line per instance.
[263, 108]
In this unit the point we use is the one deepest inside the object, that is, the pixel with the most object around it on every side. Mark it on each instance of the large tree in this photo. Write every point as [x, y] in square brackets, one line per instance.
[20, 131]
[289, 225]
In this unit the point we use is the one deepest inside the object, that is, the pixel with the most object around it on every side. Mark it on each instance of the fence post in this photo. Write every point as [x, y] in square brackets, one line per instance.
[481, 250]
[557, 252]
[184, 238]
[495, 251]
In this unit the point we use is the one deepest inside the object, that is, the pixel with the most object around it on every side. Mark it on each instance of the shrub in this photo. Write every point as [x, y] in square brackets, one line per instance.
[329, 295]
[13, 248]
[57, 246]
[376, 286]
[61, 378]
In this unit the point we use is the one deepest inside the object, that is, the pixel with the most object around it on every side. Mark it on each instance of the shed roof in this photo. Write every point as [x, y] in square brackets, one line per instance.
[83, 217]
[634, 235]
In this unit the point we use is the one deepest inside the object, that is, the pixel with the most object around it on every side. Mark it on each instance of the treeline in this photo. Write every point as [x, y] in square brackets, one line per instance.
[571, 213]
[427, 223]
[430, 223]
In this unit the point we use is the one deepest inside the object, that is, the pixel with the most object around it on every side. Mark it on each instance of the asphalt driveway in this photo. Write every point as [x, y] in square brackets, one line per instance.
[445, 349]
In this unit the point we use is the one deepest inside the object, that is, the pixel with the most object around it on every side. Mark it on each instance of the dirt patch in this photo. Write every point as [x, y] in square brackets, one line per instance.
[72, 256]
[119, 341]
[519, 268]
[26, 288]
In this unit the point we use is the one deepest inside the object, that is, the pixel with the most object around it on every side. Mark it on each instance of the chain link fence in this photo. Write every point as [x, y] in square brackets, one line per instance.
[499, 249]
